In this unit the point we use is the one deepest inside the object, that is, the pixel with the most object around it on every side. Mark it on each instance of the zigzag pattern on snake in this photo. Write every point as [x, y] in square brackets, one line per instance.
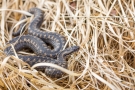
[28, 41]
[52, 38]
[37, 42]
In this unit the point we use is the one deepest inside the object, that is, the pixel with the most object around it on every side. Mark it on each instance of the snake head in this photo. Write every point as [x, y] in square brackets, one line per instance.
[68, 51]
[71, 49]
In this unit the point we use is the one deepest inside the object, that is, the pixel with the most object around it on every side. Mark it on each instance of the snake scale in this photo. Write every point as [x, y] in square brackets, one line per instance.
[38, 41]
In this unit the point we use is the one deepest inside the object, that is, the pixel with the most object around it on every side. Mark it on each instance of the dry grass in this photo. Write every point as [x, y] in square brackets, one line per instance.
[102, 28]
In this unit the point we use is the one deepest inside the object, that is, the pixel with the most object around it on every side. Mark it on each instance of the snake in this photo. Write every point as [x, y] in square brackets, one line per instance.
[54, 39]
[28, 41]
[37, 41]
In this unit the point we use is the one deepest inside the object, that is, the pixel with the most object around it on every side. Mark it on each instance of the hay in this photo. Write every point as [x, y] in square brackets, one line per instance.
[102, 28]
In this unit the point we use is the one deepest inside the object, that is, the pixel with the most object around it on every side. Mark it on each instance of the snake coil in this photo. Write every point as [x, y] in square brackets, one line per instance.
[37, 41]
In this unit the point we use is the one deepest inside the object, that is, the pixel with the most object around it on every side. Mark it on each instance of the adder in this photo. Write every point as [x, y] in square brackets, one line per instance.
[37, 41]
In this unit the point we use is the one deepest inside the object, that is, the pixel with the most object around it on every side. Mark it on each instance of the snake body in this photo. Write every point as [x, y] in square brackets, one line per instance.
[52, 38]
[29, 41]
[37, 41]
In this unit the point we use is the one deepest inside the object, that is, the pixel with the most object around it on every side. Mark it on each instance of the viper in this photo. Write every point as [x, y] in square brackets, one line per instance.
[38, 41]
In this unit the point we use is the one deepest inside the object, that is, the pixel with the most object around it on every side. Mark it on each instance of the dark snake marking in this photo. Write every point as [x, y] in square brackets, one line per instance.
[27, 41]
[56, 40]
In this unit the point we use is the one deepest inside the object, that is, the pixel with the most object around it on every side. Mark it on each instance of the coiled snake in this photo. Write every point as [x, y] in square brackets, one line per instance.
[37, 41]
[54, 39]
